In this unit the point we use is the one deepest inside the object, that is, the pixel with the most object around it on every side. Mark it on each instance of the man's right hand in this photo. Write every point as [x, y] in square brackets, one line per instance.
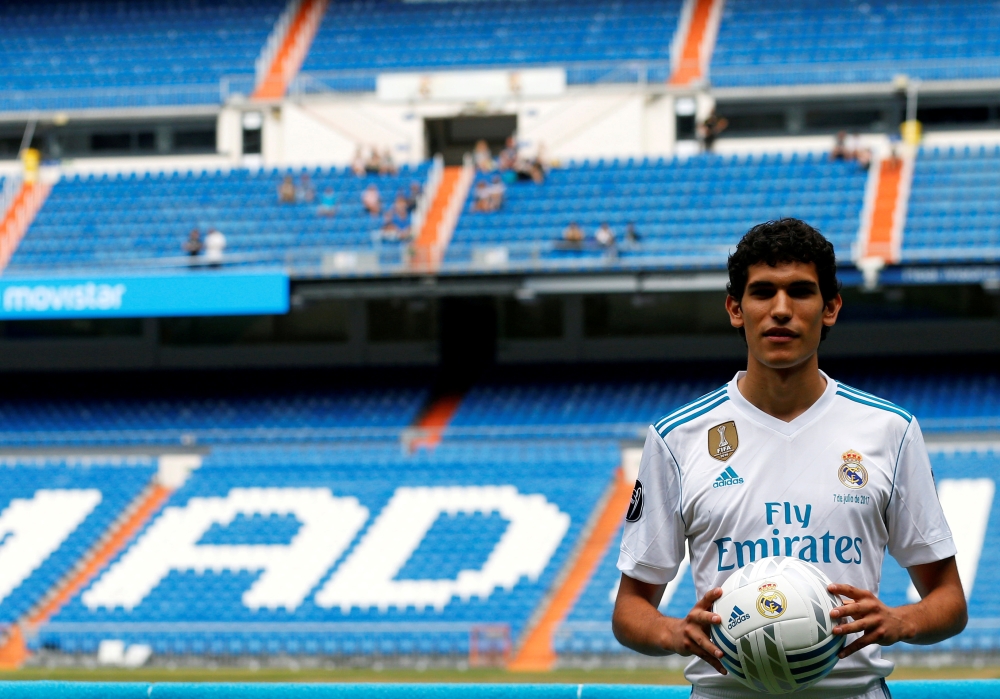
[690, 635]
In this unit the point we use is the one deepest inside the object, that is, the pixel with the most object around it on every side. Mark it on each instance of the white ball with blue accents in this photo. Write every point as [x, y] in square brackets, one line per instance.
[776, 632]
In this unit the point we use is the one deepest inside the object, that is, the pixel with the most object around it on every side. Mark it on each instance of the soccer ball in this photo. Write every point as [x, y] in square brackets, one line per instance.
[776, 634]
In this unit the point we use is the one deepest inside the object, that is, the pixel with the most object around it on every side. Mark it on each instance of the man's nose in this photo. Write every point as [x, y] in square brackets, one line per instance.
[782, 307]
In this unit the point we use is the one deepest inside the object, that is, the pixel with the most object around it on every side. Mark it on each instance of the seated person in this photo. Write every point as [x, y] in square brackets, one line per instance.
[386, 164]
[193, 245]
[495, 193]
[358, 165]
[480, 197]
[286, 190]
[631, 234]
[306, 191]
[373, 165]
[416, 190]
[372, 200]
[327, 203]
[573, 235]
[605, 236]
[396, 225]
[483, 157]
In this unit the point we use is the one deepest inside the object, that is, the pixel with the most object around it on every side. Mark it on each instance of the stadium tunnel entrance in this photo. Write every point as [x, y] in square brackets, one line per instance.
[453, 137]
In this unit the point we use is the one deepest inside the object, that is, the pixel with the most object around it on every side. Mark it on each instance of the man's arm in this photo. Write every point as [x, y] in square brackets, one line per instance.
[941, 612]
[638, 625]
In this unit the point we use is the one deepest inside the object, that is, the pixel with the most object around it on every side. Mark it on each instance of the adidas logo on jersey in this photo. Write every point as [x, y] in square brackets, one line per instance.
[727, 477]
[736, 617]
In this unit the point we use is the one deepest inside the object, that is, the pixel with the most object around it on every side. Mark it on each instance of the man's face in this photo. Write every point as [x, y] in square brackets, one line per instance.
[783, 313]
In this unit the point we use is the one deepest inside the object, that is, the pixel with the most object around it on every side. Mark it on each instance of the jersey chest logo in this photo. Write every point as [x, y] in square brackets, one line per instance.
[851, 472]
[723, 441]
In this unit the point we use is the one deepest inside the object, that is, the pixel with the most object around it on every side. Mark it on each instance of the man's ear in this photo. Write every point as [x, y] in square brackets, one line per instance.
[831, 311]
[735, 311]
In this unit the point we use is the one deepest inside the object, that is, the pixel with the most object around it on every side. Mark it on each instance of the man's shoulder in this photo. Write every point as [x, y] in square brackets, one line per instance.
[698, 409]
[870, 406]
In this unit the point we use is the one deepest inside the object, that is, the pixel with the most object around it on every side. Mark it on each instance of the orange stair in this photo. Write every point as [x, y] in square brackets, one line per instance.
[879, 242]
[426, 244]
[289, 57]
[19, 216]
[13, 652]
[435, 420]
[689, 67]
[537, 653]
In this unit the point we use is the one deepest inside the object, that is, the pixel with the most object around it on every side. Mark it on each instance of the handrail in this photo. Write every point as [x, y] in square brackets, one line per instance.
[427, 196]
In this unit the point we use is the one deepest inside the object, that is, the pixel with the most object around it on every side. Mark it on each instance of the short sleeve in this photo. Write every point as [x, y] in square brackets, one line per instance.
[653, 540]
[918, 530]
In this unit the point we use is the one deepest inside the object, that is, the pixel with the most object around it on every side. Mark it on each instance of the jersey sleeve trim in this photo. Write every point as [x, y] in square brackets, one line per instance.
[680, 481]
[690, 406]
[873, 401]
[927, 553]
[895, 467]
[689, 416]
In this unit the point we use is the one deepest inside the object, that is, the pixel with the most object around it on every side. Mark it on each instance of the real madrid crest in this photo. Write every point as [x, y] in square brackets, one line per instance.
[723, 441]
[771, 603]
[851, 472]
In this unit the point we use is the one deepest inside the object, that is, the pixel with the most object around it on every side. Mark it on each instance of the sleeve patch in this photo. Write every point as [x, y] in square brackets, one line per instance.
[635, 504]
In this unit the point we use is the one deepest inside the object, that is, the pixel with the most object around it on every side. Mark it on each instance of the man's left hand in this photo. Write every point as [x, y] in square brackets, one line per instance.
[878, 622]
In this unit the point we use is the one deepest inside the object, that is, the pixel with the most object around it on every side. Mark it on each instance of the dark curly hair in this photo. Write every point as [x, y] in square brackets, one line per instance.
[784, 240]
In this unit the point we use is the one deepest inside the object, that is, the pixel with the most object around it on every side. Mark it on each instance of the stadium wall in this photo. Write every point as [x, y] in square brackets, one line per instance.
[972, 689]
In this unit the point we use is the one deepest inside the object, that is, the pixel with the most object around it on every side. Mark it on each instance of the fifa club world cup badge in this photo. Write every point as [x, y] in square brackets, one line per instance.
[635, 504]
[723, 441]
[851, 472]
[770, 602]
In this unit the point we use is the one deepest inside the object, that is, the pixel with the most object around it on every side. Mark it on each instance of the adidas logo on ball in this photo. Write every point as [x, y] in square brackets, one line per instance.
[736, 617]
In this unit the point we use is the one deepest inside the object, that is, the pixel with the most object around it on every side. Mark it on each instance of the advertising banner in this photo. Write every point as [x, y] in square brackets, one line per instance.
[188, 293]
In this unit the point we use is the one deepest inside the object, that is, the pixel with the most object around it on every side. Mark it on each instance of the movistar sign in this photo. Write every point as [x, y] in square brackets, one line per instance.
[195, 293]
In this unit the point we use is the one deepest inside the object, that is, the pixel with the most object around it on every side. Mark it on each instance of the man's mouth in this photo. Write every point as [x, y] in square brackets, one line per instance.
[780, 335]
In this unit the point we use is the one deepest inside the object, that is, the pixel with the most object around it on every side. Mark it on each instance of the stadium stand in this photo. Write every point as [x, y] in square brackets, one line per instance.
[445, 568]
[352, 414]
[587, 629]
[84, 55]
[450, 35]
[51, 512]
[686, 211]
[763, 43]
[952, 215]
[132, 220]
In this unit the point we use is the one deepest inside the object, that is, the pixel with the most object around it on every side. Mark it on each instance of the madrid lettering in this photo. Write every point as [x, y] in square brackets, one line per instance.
[825, 548]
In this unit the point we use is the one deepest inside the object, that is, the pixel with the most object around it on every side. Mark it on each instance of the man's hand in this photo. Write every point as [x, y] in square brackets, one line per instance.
[878, 622]
[637, 624]
[941, 612]
[690, 635]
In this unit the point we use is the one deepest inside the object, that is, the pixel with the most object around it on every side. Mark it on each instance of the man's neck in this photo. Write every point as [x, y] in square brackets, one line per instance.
[782, 393]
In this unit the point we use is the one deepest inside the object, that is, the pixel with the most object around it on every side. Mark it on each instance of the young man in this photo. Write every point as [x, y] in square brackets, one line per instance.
[767, 463]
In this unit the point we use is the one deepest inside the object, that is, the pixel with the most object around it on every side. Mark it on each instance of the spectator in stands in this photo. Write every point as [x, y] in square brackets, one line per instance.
[840, 150]
[373, 166]
[483, 157]
[416, 190]
[573, 235]
[386, 165]
[495, 192]
[710, 129]
[508, 156]
[286, 190]
[372, 200]
[215, 246]
[327, 203]
[396, 225]
[605, 236]
[631, 234]
[480, 197]
[864, 158]
[306, 191]
[193, 245]
[358, 165]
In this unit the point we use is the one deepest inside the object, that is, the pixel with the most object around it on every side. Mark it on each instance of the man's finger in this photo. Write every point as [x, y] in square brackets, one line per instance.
[848, 591]
[858, 644]
[711, 659]
[705, 643]
[853, 609]
[854, 627]
[703, 618]
[708, 600]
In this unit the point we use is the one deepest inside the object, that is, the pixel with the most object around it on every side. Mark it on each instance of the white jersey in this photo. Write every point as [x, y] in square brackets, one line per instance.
[836, 486]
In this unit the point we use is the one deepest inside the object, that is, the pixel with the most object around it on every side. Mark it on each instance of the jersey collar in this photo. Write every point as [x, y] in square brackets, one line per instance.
[786, 428]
